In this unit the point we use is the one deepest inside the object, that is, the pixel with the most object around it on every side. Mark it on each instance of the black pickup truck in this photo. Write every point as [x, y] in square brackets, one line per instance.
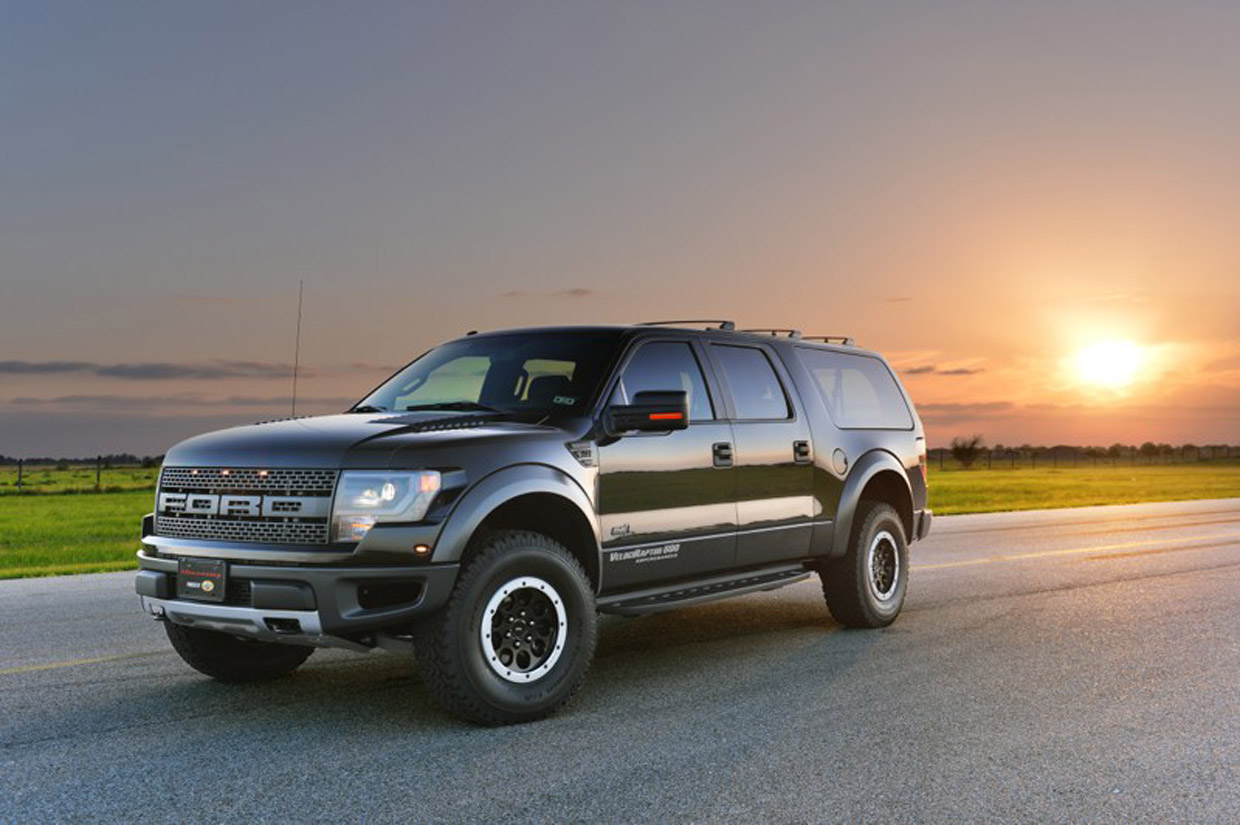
[482, 506]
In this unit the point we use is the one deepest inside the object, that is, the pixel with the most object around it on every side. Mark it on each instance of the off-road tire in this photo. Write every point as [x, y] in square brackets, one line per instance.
[227, 658]
[465, 678]
[847, 583]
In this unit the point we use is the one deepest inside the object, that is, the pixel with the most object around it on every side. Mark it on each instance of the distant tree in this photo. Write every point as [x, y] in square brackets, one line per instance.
[966, 450]
[1149, 449]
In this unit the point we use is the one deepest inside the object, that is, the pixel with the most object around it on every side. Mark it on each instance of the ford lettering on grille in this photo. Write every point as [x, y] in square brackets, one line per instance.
[245, 505]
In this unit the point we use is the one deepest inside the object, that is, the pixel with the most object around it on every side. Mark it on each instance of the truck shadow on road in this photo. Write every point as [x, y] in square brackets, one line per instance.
[749, 645]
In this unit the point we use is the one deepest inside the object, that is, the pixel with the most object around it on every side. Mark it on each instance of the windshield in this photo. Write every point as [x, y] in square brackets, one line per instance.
[547, 373]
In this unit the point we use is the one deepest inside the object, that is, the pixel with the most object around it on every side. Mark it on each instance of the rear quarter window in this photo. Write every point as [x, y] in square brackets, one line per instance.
[752, 383]
[859, 391]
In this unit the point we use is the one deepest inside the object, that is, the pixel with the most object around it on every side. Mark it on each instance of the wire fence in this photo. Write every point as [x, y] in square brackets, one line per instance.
[99, 476]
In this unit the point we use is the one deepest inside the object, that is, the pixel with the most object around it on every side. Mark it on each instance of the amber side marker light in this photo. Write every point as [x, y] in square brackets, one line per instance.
[421, 550]
[666, 416]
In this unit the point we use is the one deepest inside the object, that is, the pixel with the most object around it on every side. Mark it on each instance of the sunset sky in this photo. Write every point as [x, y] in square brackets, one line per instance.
[1032, 209]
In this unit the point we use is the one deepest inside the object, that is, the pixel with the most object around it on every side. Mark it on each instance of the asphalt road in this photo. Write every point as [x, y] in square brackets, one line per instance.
[1058, 665]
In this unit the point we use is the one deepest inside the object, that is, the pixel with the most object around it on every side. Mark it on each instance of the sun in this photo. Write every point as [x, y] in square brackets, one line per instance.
[1111, 365]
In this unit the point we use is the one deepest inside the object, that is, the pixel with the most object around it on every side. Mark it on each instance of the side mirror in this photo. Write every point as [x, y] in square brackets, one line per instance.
[650, 412]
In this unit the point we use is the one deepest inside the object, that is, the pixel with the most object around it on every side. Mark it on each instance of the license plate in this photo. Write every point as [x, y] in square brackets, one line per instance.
[201, 579]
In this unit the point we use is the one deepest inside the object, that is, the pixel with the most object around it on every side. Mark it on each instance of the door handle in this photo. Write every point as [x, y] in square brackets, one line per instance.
[801, 452]
[721, 452]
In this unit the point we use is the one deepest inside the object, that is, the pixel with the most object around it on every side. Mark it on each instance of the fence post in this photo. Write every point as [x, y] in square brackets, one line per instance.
[21, 465]
[98, 471]
[941, 451]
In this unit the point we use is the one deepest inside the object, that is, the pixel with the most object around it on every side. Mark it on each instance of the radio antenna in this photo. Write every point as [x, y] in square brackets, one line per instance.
[301, 285]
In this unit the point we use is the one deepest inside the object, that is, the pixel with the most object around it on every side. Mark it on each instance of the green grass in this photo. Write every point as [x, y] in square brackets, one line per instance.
[42, 535]
[55, 534]
[989, 491]
[44, 479]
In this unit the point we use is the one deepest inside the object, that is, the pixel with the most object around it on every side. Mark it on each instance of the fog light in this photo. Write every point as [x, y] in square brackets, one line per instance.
[353, 528]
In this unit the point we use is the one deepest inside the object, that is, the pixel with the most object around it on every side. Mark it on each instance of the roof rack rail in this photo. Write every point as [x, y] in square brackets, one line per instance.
[843, 340]
[775, 331]
[715, 323]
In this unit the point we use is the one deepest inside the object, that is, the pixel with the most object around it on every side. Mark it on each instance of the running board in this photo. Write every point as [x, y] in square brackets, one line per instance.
[684, 594]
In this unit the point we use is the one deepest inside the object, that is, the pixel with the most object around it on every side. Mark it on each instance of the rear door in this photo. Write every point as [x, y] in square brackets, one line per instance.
[773, 456]
[666, 505]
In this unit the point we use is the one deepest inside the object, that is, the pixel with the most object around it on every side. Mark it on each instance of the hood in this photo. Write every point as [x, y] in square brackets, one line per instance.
[351, 440]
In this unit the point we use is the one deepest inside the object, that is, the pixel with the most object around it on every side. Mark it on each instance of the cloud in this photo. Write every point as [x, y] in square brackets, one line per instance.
[931, 369]
[44, 367]
[208, 371]
[166, 371]
[969, 410]
[573, 293]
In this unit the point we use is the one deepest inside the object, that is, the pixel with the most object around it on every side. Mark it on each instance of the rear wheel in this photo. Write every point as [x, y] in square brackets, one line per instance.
[227, 658]
[516, 638]
[865, 588]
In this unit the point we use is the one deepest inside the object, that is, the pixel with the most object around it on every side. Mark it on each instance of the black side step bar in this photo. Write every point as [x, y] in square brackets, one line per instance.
[683, 594]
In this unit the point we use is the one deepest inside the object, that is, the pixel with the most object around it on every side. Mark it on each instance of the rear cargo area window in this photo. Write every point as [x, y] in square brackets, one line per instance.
[859, 391]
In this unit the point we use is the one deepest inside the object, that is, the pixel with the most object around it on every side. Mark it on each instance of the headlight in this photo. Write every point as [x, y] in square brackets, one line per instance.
[365, 498]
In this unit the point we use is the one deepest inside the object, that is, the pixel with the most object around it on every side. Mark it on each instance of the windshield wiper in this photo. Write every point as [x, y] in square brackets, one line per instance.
[469, 406]
[367, 408]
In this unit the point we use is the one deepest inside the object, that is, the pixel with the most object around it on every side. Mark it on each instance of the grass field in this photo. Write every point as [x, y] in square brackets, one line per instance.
[43, 535]
[989, 491]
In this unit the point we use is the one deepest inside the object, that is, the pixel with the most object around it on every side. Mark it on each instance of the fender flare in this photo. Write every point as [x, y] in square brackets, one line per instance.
[495, 490]
[866, 468]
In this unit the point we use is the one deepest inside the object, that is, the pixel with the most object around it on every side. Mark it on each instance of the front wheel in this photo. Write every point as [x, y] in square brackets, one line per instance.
[517, 636]
[227, 658]
[865, 588]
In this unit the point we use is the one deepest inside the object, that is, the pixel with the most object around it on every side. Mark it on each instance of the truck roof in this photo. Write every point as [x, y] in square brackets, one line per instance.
[716, 330]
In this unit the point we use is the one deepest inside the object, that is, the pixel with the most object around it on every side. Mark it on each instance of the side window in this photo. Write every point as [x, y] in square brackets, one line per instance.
[859, 391]
[756, 391]
[666, 365]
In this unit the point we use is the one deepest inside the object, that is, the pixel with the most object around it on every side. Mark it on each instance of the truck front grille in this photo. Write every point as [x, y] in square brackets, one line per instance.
[278, 506]
[247, 480]
[265, 532]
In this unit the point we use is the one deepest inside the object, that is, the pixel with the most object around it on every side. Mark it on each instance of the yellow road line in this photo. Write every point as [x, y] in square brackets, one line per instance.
[1073, 551]
[94, 660]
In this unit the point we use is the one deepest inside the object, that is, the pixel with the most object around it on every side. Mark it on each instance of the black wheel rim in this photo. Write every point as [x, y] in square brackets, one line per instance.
[523, 629]
[883, 566]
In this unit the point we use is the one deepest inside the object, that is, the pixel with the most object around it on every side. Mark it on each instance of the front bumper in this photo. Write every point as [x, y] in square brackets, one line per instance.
[316, 605]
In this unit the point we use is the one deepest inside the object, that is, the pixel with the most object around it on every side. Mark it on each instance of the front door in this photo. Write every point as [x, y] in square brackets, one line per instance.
[667, 501]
